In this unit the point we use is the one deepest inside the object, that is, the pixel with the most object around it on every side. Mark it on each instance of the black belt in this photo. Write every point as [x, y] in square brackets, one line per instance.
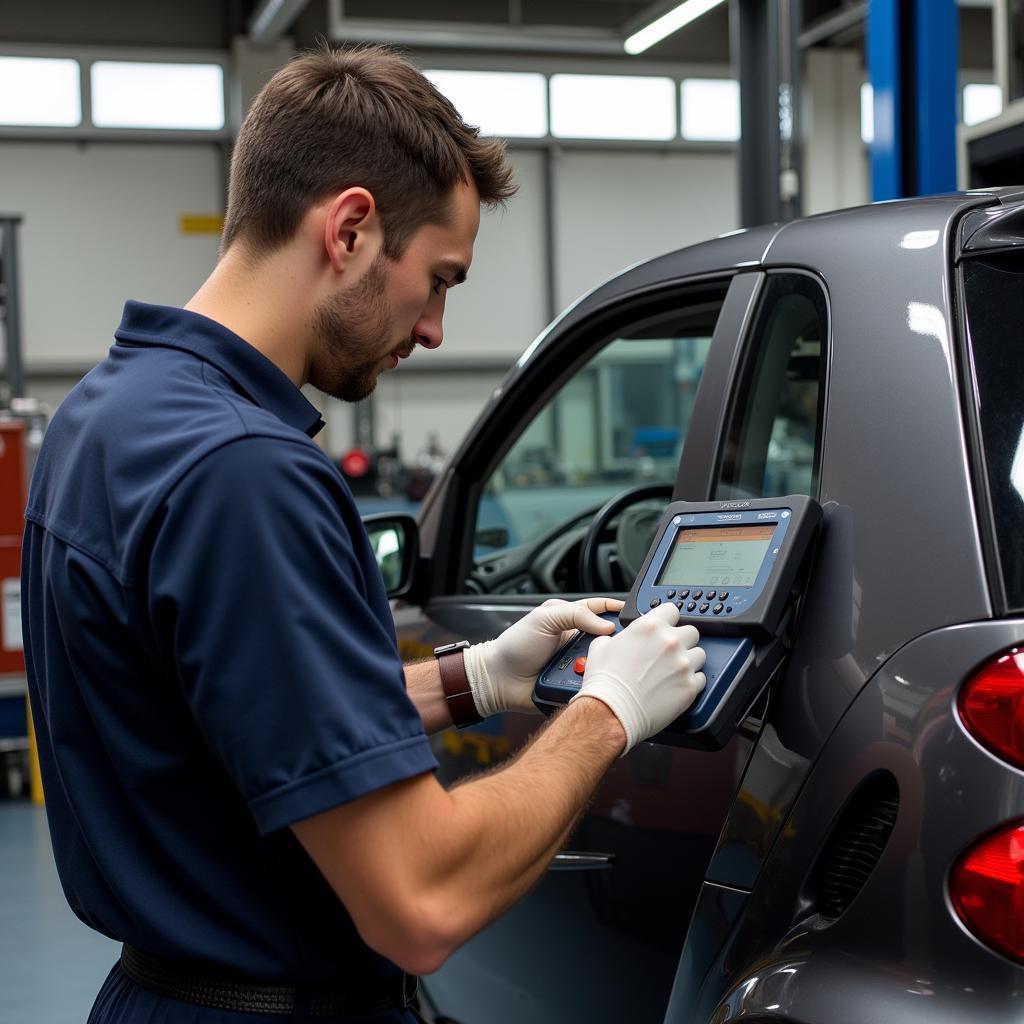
[203, 985]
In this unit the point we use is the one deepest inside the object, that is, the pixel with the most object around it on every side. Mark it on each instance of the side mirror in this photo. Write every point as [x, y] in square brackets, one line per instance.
[395, 540]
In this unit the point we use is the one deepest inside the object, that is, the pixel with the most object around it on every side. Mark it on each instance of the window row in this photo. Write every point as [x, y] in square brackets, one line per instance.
[527, 104]
[47, 92]
[532, 105]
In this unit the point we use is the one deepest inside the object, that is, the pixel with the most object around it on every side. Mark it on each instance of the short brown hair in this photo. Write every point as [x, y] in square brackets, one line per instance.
[336, 118]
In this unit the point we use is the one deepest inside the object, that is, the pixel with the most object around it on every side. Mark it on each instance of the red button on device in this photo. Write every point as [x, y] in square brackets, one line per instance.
[580, 666]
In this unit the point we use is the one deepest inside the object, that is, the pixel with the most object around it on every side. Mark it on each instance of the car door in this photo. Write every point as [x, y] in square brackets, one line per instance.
[607, 405]
[610, 407]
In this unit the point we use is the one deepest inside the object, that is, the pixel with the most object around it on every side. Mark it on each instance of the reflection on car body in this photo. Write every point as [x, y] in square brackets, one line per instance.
[828, 357]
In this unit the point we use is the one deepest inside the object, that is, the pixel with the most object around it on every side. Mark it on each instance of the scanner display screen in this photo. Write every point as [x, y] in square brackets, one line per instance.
[717, 556]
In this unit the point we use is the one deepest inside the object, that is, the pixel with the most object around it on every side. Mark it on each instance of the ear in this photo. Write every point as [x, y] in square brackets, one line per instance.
[352, 229]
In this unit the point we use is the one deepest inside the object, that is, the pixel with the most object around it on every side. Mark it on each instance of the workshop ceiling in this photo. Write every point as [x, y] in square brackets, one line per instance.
[212, 24]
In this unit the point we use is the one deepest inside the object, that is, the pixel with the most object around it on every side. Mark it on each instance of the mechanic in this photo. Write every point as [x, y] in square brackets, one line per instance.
[239, 783]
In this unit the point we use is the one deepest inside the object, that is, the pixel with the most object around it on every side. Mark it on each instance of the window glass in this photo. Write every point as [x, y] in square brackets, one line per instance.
[994, 290]
[981, 101]
[867, 114]
[618, 422]
[711, 109]
[506, 103]
[126, 94]
[773, 436]
[612, 107]
[40, 91]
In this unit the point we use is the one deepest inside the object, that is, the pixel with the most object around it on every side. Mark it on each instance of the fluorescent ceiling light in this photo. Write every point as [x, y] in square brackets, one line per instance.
[673, 21]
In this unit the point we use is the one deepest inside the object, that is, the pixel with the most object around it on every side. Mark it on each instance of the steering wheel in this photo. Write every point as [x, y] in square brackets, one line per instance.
[592, 576]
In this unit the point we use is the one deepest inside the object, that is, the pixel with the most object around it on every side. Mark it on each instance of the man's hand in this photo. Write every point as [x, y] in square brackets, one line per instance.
[502, 672]
[648, 675]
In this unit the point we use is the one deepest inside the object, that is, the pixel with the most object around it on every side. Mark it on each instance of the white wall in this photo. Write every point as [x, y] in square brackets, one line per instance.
[101, 225]
[614, 209]
[836, 161]
[502, 306]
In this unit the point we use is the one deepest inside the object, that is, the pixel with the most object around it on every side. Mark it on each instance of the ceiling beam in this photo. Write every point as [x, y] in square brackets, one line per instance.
[271, 20]
[825, 29]
[472, 36]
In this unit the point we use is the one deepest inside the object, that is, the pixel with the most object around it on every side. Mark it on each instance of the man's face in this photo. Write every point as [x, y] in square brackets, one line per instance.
[366, 328]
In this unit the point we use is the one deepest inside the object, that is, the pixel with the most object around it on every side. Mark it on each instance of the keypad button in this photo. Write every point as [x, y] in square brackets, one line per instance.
[718, 609]
[710, 595]
[670, 593]
[580, 666]
[697, 594]
[655, 601]
[728, 610]
[691, 606]
[684, 593]
[723, 594]
[703, 608]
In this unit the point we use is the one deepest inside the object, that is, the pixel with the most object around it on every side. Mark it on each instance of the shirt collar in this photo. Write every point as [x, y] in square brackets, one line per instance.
[250, 369]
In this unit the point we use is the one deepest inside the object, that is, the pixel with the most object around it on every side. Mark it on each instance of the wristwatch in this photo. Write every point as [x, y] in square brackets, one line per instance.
[458, 694]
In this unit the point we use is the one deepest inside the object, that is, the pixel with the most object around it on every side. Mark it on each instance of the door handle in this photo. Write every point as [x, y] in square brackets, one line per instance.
[573, 861]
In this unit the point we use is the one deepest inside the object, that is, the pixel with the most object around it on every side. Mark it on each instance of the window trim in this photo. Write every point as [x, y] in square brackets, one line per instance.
[747, 360]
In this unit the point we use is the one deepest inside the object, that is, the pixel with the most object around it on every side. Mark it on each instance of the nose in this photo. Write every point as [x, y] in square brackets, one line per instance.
[428, 331]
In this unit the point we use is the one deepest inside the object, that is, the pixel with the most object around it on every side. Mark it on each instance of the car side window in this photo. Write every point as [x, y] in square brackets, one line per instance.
[619, 421]
[774, 431]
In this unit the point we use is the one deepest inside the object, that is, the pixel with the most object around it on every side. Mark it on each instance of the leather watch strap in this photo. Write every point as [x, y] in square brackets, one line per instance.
[458, 694]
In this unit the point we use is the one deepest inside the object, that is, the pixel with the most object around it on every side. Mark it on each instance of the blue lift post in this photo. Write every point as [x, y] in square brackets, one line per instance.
[913, 65]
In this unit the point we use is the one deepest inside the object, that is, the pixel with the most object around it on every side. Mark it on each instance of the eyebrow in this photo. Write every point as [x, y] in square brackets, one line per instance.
[456, 269]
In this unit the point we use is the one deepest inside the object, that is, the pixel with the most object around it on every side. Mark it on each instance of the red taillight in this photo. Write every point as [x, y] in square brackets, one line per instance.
[986, 887]
[992, 706]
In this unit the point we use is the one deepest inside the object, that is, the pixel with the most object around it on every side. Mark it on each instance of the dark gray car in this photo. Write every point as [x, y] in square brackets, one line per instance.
[824, 866]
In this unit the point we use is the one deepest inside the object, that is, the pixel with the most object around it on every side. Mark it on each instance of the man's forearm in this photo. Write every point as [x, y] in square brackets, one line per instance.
[423, 684]
[422, 869]
[507, 826]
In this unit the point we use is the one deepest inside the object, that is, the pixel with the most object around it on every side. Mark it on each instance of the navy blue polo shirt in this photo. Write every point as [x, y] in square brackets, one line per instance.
[210, 652]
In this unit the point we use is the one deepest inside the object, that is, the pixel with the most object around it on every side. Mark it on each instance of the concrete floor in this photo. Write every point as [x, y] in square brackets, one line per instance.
[51, 965]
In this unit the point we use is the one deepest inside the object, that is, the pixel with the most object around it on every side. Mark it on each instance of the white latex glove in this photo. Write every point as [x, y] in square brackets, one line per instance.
[648, 674]
[503, 671]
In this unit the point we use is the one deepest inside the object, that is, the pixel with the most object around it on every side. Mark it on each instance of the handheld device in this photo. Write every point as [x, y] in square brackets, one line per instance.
[735, 570]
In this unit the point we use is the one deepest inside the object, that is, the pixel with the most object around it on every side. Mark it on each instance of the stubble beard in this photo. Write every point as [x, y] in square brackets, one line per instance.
[351, 327]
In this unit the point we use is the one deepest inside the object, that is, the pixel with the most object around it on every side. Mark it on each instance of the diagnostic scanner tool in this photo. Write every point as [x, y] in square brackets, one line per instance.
[735, 570]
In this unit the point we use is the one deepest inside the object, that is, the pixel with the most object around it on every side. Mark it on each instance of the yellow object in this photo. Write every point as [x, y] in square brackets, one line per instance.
[202, 223]
[35, 776]
[483, 747]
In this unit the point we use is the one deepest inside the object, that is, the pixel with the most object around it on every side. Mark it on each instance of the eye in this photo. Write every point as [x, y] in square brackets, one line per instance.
[439, 283]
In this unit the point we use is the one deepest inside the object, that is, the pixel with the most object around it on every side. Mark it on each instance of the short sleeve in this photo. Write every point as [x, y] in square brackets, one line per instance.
[259, 598]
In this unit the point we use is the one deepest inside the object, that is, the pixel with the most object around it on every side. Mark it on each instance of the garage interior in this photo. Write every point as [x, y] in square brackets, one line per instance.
[754, 112]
